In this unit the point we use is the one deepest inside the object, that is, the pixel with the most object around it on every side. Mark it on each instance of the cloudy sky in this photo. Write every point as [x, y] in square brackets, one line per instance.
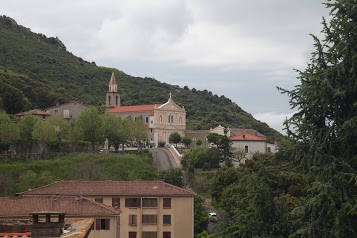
[242, 49]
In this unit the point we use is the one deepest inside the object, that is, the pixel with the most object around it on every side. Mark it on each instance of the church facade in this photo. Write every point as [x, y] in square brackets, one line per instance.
[161, 120]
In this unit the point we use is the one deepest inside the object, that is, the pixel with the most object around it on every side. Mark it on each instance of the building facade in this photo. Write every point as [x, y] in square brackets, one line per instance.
[161, 120]
[149, 209]
[105, 219]
[69, 110]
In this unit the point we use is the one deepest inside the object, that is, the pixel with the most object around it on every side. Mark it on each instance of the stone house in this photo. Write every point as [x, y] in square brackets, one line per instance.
[69, 110]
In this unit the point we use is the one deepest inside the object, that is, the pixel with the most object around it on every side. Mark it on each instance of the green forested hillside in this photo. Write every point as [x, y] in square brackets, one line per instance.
[40, 71]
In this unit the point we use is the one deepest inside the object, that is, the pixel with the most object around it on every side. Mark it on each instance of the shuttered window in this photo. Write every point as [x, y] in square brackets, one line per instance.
[132, 202]
[132, 234]
[149, 219]
[149, 202]
[102, 224]
[166, 234]
[149, 234]
[132, 220]
[166, 202]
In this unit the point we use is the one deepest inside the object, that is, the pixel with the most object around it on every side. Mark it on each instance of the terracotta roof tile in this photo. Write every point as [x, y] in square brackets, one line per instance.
[138, 108]
[71, 205]
[33, 112]
[108, 187]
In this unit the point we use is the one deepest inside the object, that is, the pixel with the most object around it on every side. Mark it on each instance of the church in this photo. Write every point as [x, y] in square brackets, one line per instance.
[161, 120]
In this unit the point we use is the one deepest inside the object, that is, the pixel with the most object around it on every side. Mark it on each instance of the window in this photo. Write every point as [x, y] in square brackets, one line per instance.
[102, 224]
[149, 234]
[132, 234]
[268, 149]
[56, 111]
[99, 200]
[160, 119]
[150, 130]
[171, 119]
[109, 99]
[166, 219]
[66, 113]
[132, 202]
[166, 203]
[180, 120]
[146, 120]
[133, 220]
[149, 202]
[116, 101]
[115, 202]
[149, 219]
[246, 149]
[166, 234]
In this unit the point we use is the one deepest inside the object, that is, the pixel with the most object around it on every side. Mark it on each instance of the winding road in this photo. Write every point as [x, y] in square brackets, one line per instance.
[163, 159]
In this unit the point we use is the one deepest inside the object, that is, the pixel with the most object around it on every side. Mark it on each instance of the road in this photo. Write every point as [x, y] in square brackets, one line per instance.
[163, 159]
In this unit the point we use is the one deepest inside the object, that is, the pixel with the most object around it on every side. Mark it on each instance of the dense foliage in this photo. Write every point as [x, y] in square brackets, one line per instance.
[39, 71]
[17, 175]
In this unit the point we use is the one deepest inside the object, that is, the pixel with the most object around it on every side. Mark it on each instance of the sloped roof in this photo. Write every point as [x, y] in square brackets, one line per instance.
[71, 205]
[238, 131]
[138, 108]
[112, 79]
[108, 187]
[34, 112]
[247, 137]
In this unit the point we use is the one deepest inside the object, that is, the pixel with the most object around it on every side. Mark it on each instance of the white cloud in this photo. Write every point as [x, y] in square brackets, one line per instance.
[274, 119]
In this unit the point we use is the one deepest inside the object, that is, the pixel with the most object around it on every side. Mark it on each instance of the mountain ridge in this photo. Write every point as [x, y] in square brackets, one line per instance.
[43, 72]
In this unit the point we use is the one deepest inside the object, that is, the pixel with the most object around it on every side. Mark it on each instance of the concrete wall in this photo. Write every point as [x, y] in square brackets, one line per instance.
[74, 109]
[181, 212]
[253, 147]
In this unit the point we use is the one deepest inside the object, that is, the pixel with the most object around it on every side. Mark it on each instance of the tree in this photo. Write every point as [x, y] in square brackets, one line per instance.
[13, 100]
[9, 132]
[225, 149]
[44, 133]
[214, 138]
[62, 129]
[175, 138]
[90, 126]
[186, 141]
[138, 131]
[239, 154]
[172, 176]
[198, 142]
[324, 128]
[200, 215]
[26, 126]
[115, 129]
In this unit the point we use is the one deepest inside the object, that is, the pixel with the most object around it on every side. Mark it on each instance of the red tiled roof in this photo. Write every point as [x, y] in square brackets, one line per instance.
[247, 137]
[131, 188]
[138, 108]
[71, 205]
[16, 234]
[34, 112]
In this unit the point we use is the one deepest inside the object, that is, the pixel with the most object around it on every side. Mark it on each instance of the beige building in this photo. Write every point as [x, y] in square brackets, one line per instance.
[161, 120]
[149, 209]
[21, 208]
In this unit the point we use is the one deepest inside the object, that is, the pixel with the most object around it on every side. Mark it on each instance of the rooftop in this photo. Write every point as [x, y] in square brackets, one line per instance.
[247, 137]
[33, 112]
[109, 187]
[138, 108]
[71, 205]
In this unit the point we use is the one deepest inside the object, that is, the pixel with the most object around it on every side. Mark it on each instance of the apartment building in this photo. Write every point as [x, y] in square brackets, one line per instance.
[49, 211]
[149, 209]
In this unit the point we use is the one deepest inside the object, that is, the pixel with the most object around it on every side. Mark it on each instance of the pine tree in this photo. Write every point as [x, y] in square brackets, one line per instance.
[325, 128]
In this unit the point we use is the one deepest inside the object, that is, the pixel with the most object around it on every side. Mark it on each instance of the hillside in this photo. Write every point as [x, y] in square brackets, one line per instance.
[40, 71]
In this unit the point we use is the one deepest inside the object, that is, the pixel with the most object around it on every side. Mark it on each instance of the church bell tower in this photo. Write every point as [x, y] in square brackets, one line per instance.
[112, 97]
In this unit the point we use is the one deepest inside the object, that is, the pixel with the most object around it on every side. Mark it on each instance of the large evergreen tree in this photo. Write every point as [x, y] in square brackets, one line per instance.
[325, 127]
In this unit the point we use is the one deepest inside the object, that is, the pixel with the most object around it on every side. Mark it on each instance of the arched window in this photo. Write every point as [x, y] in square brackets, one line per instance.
[180, 120]
[171, 119]
[160, 119]
[109, 99]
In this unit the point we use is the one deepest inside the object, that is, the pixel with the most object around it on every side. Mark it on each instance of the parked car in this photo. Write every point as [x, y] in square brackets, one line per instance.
[212, 216]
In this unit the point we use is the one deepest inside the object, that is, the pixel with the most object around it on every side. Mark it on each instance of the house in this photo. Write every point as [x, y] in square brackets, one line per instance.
[161, 120]
[39, 209]
[69, 110]
[36, 112]
[149, 209]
